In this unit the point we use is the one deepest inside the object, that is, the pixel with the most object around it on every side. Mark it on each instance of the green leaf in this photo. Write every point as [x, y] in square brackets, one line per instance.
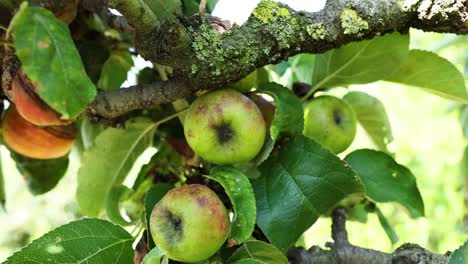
[464, 120]
[155, 256]
[10, 4]
[249, 261]
[115, 69]
[50, 59]
[41, 175]
[302, 67]
[256, 251]
[460, 256]
[237, 187]
[165, 8]
[161, 164]
[189, 7]
[153, 196]
[2, 187]
[288, 118]
[386, 180]
[89, 132]
[358, 212]
[433, 73]
[282, 67]
[262, 76]
[464, 164]
[116, 195]
[360, 62]
[391, 234]
[84, 241]
[371, 114]
[299, 182]
[93, 55]
[210, 5]
[108, 162]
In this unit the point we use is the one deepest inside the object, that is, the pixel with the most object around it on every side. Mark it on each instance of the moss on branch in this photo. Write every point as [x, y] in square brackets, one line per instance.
[208, 59]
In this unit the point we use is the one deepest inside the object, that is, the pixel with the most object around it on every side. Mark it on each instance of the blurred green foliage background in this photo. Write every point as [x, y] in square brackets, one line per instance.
[427, 139]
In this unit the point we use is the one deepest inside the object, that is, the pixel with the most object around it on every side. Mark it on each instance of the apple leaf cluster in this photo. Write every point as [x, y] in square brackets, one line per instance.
[239, 175]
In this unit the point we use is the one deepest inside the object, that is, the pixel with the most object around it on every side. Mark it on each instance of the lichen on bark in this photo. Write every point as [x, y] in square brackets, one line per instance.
[352, 23]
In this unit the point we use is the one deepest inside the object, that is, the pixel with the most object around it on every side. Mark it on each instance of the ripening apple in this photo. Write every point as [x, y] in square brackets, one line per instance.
[34, 141]
[30, 106]
[190, 223]
[330, 121]
[225, 127]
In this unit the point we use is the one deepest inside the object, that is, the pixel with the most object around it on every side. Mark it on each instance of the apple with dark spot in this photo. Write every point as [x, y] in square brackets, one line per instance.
[190, 223]
[330, 121]
[225, 127]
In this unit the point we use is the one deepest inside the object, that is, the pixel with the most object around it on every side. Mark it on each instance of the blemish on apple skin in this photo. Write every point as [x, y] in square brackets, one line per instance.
[219, 109]
[202, 108]
[190, 133]
[201, 201]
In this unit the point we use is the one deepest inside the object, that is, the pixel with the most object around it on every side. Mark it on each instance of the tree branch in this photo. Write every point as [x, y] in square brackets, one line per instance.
[115, 103]
[342, 252]
[100, 8]
[137, 13]
[208, 59]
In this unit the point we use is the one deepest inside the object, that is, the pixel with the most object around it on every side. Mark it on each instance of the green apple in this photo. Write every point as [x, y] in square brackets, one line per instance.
[330, 121]
[190, 223]
[225, 127]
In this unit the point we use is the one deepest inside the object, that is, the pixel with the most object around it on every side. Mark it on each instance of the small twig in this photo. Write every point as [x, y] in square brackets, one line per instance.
[202, 8]
[164, 120]
[137, 228]
[314, 89]
[3, 28]
[100, 8]
[137, 13]
[339, 233]
[162, 72]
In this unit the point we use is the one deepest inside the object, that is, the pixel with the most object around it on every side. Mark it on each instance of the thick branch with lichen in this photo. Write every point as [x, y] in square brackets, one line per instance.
[342, 252]
[208, 59]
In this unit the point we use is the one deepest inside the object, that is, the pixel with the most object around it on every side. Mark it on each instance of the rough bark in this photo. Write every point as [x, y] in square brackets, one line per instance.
[119, 101]
[342, 252]
[208, 59]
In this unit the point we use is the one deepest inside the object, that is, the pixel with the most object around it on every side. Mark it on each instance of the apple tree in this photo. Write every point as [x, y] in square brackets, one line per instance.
[244, 165]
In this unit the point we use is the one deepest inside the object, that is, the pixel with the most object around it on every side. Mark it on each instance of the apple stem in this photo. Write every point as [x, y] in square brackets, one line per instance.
[164, 120]
[314, 89]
